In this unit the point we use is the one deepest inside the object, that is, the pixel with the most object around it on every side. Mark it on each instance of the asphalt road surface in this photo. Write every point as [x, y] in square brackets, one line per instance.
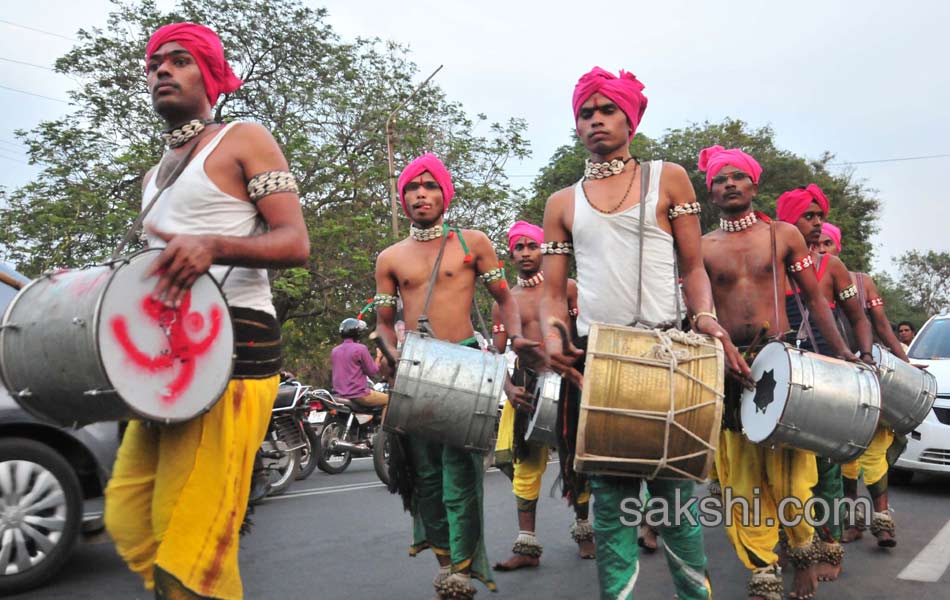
[343, 537]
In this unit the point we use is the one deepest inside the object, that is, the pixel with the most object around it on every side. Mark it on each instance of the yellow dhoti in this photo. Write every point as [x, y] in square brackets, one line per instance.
[873, 463]
[781, 473]
[179, 492]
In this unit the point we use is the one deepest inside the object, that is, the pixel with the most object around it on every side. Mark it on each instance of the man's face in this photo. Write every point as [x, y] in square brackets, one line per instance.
[423, 197]
[826, 245]
[810, 223]
[174, 82]
[905, 334]
[526, 254]
[733, 189]
[602, 126]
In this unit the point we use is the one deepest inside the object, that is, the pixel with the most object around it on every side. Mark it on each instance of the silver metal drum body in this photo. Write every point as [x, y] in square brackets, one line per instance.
[446, 393]
[832, 407]
[59, 358]
[543, 426]
[907, 393]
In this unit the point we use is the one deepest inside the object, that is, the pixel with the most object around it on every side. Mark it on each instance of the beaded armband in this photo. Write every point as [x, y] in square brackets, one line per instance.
[496, 274]
[271, 182]
[500, 328]
[573, 312]
[847, 293]
[385, 300]
[680, 210]
[557, 248]
[800, 265]
[875, 302]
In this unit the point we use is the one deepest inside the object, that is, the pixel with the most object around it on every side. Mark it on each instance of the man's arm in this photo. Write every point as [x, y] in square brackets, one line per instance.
[847, 294]
[572, 310]
[554, 295]
[795, 250]
[688, 242]
[386, 312]
[284, 244]
[882, 325]
[370, 368]
[499, 336]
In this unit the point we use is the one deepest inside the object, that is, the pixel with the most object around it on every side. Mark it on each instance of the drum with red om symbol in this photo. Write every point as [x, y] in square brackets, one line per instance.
[86, 345]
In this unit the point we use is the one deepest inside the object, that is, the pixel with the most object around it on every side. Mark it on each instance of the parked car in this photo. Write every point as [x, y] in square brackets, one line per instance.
[47, 473]
[928, 446]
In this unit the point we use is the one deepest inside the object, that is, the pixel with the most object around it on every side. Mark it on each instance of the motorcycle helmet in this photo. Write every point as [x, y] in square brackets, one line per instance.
[352, 328]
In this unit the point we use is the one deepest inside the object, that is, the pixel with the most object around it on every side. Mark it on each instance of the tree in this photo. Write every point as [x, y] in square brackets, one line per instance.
[897, 304]
[853, 206]
[925, 280]
[325, 100]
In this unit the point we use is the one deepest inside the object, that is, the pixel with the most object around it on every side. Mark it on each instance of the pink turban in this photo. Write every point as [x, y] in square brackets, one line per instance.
[205, 46]
[522, 229]
[431, 163]
[833, 232]
[792, 204]
[714, 158]
[625, 91]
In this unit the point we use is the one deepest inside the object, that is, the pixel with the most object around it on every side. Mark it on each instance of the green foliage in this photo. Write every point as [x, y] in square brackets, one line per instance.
[325, 100]
[898, 305]
[925, 278]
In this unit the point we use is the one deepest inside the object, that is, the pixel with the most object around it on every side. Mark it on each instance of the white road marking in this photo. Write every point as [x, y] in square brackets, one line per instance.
[932, 561]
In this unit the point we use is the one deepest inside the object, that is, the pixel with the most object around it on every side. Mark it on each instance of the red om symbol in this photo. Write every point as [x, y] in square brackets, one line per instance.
[181, 349]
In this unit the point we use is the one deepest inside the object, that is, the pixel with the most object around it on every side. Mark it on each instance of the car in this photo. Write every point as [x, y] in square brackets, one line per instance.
[49, 475]
[928, 446]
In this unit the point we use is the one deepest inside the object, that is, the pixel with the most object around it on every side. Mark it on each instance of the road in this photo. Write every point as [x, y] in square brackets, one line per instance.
[344, 537]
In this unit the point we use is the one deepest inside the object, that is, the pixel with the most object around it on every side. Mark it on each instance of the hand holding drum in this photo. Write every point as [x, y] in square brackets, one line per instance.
[563, 362]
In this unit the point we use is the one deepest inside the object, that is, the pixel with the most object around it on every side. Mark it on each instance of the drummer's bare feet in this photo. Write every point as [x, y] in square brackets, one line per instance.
[829, 561]
[766, 584]
[518, 561]
[647, 539]
[882, 526]
[586, 549]
[805, 583]
[851, 534]
[583, 534]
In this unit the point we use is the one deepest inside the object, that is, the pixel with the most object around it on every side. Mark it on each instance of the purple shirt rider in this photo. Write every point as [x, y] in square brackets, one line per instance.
[352, 364]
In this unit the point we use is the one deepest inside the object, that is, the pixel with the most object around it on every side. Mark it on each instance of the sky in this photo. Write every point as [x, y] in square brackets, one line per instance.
[865, 80]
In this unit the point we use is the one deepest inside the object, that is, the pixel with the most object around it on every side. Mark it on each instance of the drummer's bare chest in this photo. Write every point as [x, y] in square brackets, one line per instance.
[529, 303]
[414, 269]
[732, 260]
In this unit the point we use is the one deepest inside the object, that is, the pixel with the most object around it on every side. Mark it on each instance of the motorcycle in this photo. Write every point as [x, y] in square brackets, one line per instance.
[287, 451]
[350, 430]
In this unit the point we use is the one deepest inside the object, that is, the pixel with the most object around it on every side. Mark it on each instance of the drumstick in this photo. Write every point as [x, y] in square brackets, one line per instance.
[756, 340]
[384, 348]
[10, 281]
[562, 329]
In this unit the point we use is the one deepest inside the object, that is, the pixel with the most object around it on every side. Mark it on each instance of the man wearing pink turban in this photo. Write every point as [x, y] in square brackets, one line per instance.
[441, 485]
[806, 208]
[749, 258]
[525, 462]
[872, 465]
[178, 493]
[629, 227]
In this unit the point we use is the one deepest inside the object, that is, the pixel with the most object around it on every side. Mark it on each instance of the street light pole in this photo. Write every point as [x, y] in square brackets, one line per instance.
[390, 132]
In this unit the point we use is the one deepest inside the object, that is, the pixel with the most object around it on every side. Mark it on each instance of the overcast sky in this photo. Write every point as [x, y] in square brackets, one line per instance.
[864, 80]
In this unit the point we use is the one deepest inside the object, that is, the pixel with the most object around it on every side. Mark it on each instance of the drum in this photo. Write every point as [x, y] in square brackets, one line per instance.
[651, 404]
[543, 426]
[87, 345]
[907, 393]
[811, 402]
[446, 393]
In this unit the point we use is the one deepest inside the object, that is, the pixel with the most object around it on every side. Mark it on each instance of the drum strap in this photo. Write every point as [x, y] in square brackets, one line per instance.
[774, 273]
[422, 325]
[806, 322]
[171, 179]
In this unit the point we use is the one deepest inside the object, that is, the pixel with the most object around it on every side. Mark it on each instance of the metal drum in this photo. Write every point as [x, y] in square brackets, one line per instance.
[446, 393]
[88, 345]
[651, 404]
[907, 393]
[811, 402]
[547, 395]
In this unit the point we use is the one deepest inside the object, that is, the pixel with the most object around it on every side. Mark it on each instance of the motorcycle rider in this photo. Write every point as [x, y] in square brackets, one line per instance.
[352, 364]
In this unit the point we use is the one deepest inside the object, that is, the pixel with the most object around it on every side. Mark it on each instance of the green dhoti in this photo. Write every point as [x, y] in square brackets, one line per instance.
[617, 549]
[830, 489]
[447, 506]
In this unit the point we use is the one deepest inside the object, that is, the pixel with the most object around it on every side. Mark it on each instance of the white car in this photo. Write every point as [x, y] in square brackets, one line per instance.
[928, 446]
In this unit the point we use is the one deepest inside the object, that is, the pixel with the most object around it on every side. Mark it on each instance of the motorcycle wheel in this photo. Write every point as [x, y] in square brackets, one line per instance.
[283, 475]
[307, 454]
[381, 455]
[332, 463]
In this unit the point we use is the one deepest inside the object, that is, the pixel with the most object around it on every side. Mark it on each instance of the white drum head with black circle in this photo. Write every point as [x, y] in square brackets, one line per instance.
[762, 408]
[166, 364]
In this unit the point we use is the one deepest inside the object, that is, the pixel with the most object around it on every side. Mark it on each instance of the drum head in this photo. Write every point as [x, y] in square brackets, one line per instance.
[166, 364]
[762, 408]
[546, 391]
